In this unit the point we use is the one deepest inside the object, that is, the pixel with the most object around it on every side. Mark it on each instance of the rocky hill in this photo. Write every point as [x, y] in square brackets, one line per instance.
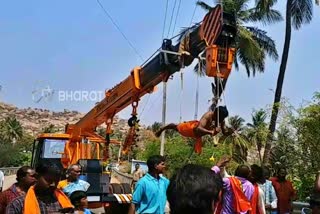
[33, 120]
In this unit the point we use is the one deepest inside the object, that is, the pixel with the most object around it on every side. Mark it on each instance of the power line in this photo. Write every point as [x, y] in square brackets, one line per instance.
[165, 19]
[174, 7]
[175, 22]
[194, 12]
[118, 28]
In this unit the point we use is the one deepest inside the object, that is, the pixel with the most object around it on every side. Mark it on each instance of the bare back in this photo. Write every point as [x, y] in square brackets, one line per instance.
[206, 121]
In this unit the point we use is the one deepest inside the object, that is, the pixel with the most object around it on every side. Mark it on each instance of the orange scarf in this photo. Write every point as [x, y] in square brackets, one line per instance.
[31, 205]
[254, 200]
[240, 201]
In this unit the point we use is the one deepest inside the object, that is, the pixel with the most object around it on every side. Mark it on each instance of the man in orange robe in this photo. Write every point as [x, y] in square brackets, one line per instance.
[211, 123]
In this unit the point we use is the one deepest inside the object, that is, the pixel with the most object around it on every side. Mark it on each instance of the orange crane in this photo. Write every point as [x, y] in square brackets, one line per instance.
[214, 37]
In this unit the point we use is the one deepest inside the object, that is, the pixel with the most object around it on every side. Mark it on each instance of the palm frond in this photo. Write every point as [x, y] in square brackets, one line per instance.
[202, 71]
[270, 16]
[242, 5]
[248, 45]
[266, 43]
[236, 122]
[250, 54]
[204, 5]
[185, 30]
[301, 12]
[264, 5]
[236, 64]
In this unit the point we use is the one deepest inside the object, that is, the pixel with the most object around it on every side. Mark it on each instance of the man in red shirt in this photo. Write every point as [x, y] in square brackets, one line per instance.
[25, 179]
[284, 190]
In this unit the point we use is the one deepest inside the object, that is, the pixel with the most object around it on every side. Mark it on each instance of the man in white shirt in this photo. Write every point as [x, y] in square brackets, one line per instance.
[270, 199]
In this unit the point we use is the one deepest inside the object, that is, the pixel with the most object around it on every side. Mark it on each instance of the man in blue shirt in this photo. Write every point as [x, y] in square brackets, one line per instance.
[149, 196]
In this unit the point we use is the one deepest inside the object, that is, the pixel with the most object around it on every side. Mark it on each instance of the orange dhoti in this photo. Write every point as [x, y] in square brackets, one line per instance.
[186, 130]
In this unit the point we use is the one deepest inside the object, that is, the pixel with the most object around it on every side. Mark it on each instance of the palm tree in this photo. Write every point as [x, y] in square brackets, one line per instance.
[257, 130]
[50, 129]
[298, 12]
[236, 122]
[11, 129]
[237, 140]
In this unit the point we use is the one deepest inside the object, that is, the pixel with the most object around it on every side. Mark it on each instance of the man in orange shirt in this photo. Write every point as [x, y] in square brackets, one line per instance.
[284, 190]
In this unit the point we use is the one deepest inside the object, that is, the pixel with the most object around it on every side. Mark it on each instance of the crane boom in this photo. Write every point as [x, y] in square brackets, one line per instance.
[215, 28]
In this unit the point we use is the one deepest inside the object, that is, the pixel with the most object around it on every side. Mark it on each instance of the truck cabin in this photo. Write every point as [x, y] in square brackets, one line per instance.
[58, 149]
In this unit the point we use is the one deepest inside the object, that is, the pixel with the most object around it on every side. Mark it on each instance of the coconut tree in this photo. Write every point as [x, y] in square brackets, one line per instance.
[298, 13]
[236, 139]
[50, 129]
[257, 130]
[11, 129]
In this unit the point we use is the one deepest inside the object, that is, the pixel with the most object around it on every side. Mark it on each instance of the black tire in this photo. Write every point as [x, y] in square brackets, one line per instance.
[116, 188]
[126, 188]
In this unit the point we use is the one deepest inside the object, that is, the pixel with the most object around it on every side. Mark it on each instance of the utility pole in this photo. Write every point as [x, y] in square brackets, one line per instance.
[197, 99]
[164, 107]
[197, 89]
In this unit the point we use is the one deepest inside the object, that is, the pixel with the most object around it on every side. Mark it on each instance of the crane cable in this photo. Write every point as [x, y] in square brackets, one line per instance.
[175, 22]
[165, 19]
[119, 29]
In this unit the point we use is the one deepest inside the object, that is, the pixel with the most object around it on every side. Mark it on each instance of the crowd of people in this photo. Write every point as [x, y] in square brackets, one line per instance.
[42, 191]
[197, 189]
[192, 189]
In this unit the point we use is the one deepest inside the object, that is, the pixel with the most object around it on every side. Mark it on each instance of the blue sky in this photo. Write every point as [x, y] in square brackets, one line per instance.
[72, 46]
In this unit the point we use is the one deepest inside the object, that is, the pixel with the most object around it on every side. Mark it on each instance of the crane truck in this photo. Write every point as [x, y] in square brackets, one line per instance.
[213, 38]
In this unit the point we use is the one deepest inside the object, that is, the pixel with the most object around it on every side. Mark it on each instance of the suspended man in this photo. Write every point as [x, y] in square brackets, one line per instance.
[211, 123]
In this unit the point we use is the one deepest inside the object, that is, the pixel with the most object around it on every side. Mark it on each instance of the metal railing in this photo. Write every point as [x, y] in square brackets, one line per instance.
[300, 207]
[9, 170]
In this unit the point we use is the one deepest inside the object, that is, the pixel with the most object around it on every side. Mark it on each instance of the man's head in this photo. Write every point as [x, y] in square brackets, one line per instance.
[156, 164]
[79, 199]
[26, 176]
[256, 175]
[281, 174]
[220, 113]
[242, 171]
[194, 189]
[137, 166]
[73, 172]
[48, 176]
[266, 172]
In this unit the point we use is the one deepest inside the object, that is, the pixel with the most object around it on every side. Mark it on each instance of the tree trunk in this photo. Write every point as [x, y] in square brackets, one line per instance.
[277, 96]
